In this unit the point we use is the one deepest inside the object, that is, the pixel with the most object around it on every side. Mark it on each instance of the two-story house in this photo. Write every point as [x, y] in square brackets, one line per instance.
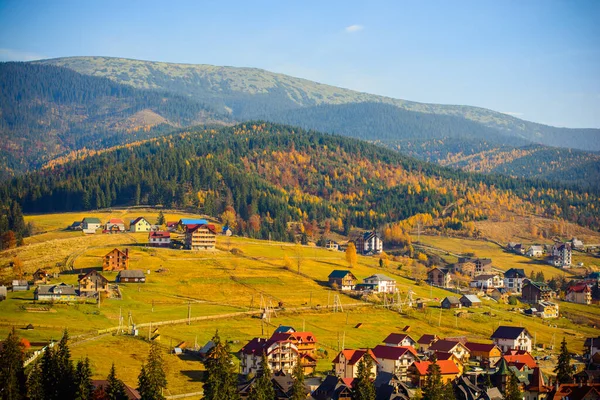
[400, 340]
[532, 292]
[580, 293]
[90, 224]
[425, 341]
[395, 360]
[140, 224]
[116, 260]
[92, 282]
[345, 364]
[201, 237]
[159, 239]
[487, 281]
[487, 354]
[281, 353]
[535, 251]
[514, 279]
[439, 277]
[459, 350]
[419, 371]
[55, 293]
[381, 283]
[342, 279]
[512, 338]
[115, 225]
[369, 243]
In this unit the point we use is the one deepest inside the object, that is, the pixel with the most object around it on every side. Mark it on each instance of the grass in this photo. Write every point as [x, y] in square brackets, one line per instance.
[221, 282]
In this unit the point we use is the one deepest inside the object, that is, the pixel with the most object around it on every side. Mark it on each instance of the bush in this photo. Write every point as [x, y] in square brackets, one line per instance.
[512, 300]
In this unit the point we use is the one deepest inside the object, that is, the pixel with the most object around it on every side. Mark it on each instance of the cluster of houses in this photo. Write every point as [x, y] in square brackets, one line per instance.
[346, 281]
[367, 243]
[559, 255]
[400, 366]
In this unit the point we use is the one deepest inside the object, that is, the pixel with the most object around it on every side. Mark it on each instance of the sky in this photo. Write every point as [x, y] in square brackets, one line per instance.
[536, 59]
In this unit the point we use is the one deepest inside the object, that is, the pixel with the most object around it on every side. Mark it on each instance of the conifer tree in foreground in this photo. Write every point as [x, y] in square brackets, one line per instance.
[512, 391]
[66, 373]
[263, 388]
[434, 388]
[83, 380]
[152, 378]
[563, 370]
[115, 388]
[221, 380]
[298, 391]
[12, 375]
[364, 388]
[35, 384]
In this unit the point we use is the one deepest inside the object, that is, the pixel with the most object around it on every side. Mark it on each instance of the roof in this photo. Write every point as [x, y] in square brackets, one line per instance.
[508, 332]
[132, 273]
[192, 221]
[580, 288]
[353, 356]
[427, 339]
[60, 289]
[397, 338]
[471, 297]
[159, 234]
[484, 277]
[380, 277]
[536, 247]
[542, 286]
[444, 345]
[446, 367]
[138, 219]
[195, 227]
[393, 353]
[92, 220]
[520, 357]
[452, 300]
[116, 221]
[444, 271]
[339, 273]
[20, 283]
[284, 329]
[115, 249]
[131, 393]
[515, 273]
[92, 273]
[480, 347]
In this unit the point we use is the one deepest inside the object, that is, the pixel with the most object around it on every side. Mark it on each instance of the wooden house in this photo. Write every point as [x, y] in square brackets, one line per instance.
[159, 239]
[487, 354]
[345, 364]
[439, 277]
[116, 260]
[425, 341]
[201, 237]
[417, 372]
[55, 293]
[41, 276]
[333, 387]
[90, 224]
[131, 276]
[532, 292]
[470, 300]
[451, 302]
[342, 279]
[140, 224]
[92, 282]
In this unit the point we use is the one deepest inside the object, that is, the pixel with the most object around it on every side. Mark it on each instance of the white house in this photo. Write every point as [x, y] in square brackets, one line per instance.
[400, 340]
[159, 238]
[512, 338]
[282, 355]
[395, 360]
[383, 284]
[90, 224]
[514, 279]
[487, 281]
[561, 255]
[345, 364]
[535, 251]
[369, 243]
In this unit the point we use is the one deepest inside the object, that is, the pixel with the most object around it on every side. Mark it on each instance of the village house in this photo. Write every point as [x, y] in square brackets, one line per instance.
[55, 293]
[417, 372]
[281, 353]
[439, 277]
[305, 342]
[400, 340]
[90, 224]
[130, 393]
[575, 391]
[184, 223]
[591, 347]
[579, 293]
[547, 309]
[535, 251]
[519, 358]
[19, 285]
[532, 292]
[159, 239]
[514, 279]
[333, 387]
[473, 266]
[498, 294]
[459, 350]
[512, 338]
[342, 279]
[516, 247]
[41, 276]
[172, 226]
[487, 281]
[451, 302]
[576, 243]
[116, 260]
[395, 360]
[115, 225]
[131, 276]
[201, 237]
[470, 300]
[425, 341]
[345, 364]
[92, 282]
[76, 226]
[561, 255]
[332, 245]
[140, 224]
[369, 243]
[487, 354]
[381, 283]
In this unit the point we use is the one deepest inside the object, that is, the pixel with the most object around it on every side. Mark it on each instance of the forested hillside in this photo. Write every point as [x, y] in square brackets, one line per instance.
[273, 174]
[46, 111]
[248, 93]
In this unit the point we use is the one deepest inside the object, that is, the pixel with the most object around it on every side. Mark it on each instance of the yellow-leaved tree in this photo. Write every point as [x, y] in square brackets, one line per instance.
[351, 256]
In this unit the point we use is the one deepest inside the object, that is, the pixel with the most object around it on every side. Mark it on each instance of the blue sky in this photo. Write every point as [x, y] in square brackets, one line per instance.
[536, 59]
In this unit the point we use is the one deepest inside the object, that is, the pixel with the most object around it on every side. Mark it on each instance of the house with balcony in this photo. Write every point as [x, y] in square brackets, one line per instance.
[579, 293]
[201, 237]
[395, 360]
[512, 338]
[487, 281]
[369, 243]
[532, 292]
[282, 355]
[514, 279]
[400, 340]
[561, 255]
[345, 364]
[342, 279]
[381, 283]
[439, 277]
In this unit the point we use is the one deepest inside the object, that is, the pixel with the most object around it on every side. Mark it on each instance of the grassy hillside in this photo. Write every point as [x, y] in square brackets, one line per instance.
[222, 282]
[250, 93]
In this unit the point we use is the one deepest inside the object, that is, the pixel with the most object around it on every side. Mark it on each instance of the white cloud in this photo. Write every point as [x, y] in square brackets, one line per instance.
[16, 55]
[354, 28]
[514, 114]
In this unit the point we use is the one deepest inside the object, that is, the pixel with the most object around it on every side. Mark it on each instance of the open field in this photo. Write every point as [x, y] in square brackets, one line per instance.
[221, 282]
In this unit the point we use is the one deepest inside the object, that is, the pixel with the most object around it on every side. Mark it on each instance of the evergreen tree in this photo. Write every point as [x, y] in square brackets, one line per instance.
[35, 383]
[433, 388]
[512, 391]
[66, 374]
[263, 387]
[83, 380]
[152, 378]
[298, 390]
[161, 218]
[221, 383]
[563, 370]
[49, 375]
[12, 374]
[364, 388]
[115, 388]
[488, 381]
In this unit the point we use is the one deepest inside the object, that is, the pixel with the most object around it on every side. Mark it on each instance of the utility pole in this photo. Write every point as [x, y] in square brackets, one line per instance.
[189, 312]
[152, 305]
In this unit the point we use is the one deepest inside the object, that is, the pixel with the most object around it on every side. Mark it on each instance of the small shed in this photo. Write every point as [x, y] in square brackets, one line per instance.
[131, 276]
[451, 302]
[470, 300]
[2, 293]
[20, 286]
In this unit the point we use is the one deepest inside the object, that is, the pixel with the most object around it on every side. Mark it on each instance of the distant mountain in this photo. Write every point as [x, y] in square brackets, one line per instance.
[46, 111]
[247, 93]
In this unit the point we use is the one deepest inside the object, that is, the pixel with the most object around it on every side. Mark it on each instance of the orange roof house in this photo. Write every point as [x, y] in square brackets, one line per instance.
[418, 371]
